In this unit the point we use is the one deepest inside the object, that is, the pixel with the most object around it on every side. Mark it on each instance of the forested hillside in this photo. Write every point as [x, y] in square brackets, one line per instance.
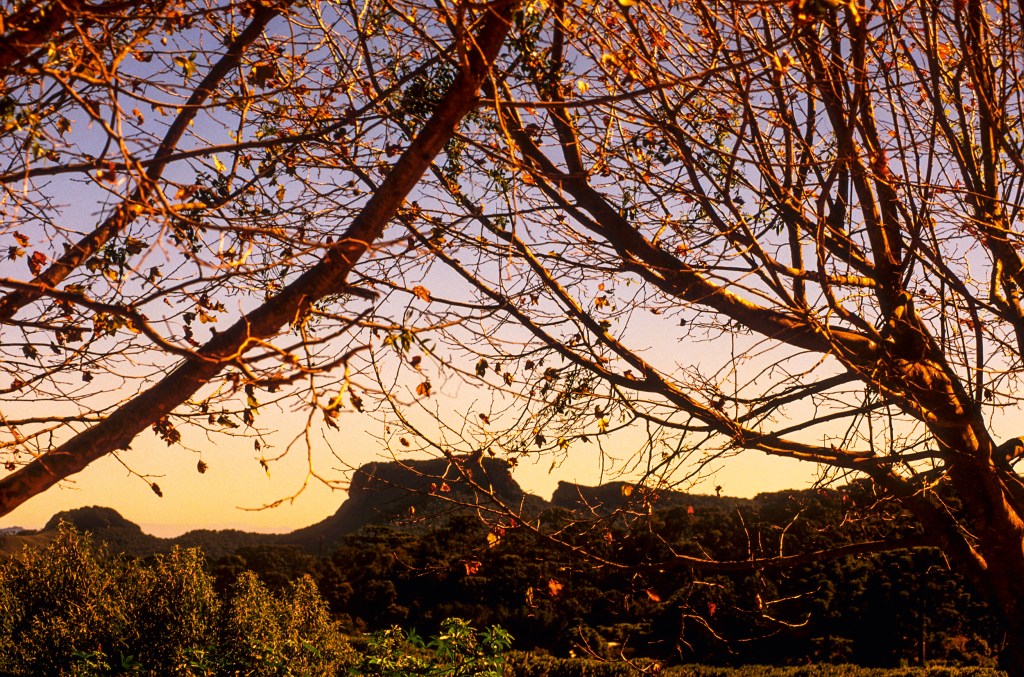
[626, 580]
[881, 609]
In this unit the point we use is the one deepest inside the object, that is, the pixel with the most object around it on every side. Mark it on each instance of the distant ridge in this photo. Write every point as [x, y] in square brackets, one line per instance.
[123, 535]
[628, 497]
[93, 518]
[411, 494]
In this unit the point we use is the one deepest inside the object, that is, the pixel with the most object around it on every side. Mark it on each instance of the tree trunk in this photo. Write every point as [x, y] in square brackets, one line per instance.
[995, 564]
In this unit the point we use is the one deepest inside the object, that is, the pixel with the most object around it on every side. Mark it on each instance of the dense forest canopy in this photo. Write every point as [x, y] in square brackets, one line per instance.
[886, 609]
[339, 207]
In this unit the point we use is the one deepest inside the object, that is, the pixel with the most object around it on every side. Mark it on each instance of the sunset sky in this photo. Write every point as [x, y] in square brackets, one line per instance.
[234, 484]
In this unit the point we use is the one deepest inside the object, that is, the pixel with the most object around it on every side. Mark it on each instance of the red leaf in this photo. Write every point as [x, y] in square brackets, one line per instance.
[36, 262]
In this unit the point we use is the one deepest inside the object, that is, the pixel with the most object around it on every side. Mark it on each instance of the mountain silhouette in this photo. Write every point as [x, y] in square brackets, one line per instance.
[415, 494]
[410, 494]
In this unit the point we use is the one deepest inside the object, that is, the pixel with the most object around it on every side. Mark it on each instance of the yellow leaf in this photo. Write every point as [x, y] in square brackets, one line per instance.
[493, 539]
[218, 165]
[627, 490]
[421, 293]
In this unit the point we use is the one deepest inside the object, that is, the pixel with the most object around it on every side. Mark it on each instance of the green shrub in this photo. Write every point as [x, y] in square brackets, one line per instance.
[65, 608]
[71, 609]
[175, 609]
[10, 612]
[317, 646]
[537, 665]
[265, 634]
[825, 670]
[458, 651]
[251, 640]
[541, 665]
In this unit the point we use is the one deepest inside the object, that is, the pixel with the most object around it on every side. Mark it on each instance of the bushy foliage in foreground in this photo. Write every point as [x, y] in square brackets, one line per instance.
[520, 664]
[881, 610]
[830, 671]
[457, 651]
[71, 608]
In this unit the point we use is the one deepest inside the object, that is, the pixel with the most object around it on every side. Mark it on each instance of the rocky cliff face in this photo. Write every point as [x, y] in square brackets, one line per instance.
[413, 493]
[423, 475]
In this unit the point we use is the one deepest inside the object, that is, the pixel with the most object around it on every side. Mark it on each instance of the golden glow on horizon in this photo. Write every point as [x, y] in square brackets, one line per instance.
[234, 481]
